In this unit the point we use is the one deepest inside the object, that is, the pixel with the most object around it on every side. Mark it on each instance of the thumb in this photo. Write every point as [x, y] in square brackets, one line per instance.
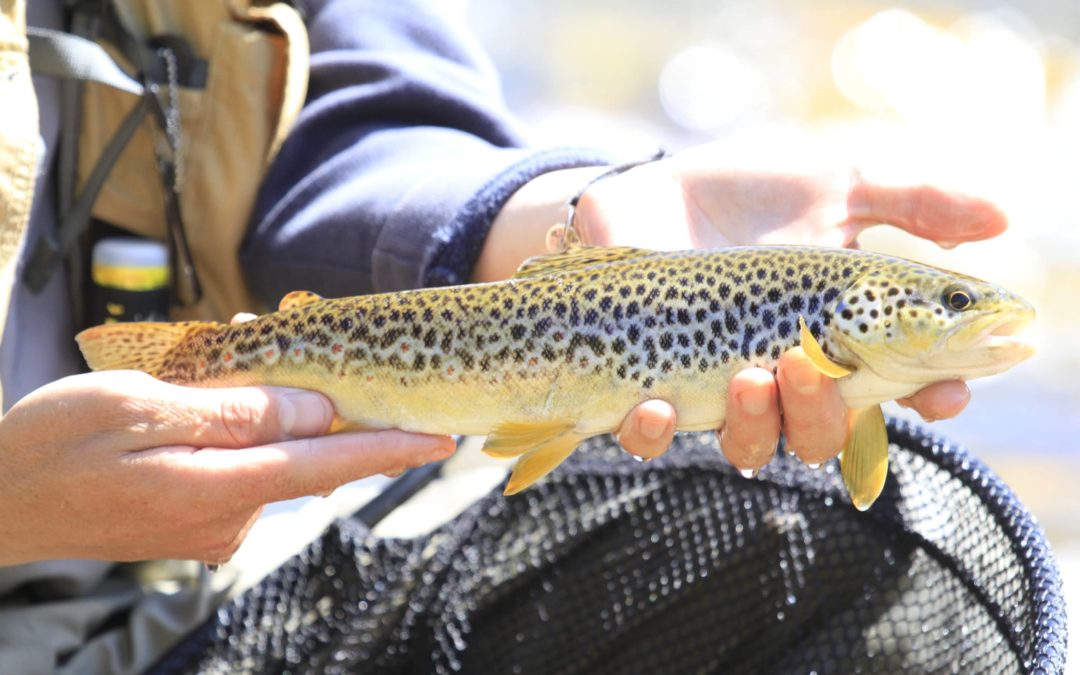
[925, 211]
[239, 417]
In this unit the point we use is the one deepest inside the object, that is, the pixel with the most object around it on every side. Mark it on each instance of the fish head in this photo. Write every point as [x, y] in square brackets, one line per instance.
[918, 324]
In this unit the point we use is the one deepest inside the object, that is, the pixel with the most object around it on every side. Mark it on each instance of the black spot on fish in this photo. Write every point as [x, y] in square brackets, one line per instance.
[684, 341]
[762, 347]
[666, 341]
[796, 303]
[648, 382]
[768, 318]
[807, 282]
[633, 334]
[725, 291]
[686, 360]
[783, 329]
[847, 313]
[517, 331]
[731, 323]
[863, 328]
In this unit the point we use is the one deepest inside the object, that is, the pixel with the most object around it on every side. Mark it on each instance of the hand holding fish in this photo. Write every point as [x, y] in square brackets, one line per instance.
[695, 199]
[120, 466]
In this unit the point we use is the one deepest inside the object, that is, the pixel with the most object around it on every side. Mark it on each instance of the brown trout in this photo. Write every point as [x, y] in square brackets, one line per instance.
[565, 349]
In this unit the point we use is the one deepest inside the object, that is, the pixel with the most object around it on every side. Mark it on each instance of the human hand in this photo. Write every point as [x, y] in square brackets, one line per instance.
[116, 465]
[703, 202]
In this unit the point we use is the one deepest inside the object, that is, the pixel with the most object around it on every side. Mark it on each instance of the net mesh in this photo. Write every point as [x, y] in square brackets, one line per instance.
[678, 565]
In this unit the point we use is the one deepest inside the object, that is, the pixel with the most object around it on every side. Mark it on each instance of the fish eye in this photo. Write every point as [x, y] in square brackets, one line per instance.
[957, 299]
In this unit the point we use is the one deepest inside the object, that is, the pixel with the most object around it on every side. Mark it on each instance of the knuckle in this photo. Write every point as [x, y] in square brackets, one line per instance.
[244, 420]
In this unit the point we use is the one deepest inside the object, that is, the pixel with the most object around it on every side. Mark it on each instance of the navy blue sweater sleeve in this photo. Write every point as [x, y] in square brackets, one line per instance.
[402, 157]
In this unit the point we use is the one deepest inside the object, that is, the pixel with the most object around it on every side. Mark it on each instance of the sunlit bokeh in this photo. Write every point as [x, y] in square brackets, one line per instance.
[983, 97]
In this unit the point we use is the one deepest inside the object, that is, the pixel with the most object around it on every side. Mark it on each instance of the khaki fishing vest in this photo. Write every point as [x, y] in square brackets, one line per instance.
[231, 126]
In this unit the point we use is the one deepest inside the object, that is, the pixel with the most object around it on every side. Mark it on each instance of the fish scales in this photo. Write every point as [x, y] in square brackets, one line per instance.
[460, 360]
[564, 350]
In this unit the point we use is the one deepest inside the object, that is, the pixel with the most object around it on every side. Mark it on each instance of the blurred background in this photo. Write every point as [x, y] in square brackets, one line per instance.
[979, 96]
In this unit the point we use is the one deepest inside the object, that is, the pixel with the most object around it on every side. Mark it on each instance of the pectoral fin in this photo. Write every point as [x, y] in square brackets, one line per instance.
[538, 463]
[865, 462]
[817, 355]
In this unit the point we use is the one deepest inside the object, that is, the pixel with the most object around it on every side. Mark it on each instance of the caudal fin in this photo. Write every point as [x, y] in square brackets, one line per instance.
[136, 346]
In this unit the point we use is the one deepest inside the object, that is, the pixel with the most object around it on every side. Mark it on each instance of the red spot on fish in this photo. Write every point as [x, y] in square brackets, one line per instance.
[533, 361]
[449, 370]
[227, 357]
[298, 351]
[557, 336]
[269, 353]
[202, 365]
[404, 346]
[337, 349]
[370, 378]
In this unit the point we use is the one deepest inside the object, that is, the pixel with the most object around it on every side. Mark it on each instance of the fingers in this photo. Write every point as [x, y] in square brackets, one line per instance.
[302, 467]
[940, 400]
[944, 217]
[648, 430]
[752, 428]
[240, 417]
[815, 417]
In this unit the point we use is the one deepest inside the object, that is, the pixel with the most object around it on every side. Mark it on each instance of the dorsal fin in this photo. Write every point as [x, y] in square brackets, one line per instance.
[817, 356]
[297, 299]
[577, 257]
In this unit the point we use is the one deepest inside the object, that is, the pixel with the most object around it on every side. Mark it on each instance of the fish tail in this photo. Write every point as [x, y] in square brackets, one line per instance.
[137, 346]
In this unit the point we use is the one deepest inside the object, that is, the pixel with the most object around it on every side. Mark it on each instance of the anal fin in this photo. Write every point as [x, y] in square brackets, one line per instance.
[511, 439]
[865, 462]
[541, 446]
[538, 463]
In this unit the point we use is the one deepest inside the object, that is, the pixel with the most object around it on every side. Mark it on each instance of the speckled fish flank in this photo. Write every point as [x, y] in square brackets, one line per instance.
[565, 349]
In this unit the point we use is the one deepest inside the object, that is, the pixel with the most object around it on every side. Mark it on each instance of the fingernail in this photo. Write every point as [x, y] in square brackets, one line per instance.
[304, 413]
[436, 448]
[948, 244]
[651, 428]
[638, 458]
[804, 379]
[814, 465]
[749, 473]
[393, 474]
[755, 401]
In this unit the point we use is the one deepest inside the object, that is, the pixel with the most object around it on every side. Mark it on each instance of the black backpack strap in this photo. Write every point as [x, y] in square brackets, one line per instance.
[78, 59]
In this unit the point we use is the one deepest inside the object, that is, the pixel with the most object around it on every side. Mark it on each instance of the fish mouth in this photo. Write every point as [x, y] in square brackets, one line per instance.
[1001, 337]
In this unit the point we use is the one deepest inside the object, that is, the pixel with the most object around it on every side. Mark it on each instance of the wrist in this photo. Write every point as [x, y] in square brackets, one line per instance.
[520, 230]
